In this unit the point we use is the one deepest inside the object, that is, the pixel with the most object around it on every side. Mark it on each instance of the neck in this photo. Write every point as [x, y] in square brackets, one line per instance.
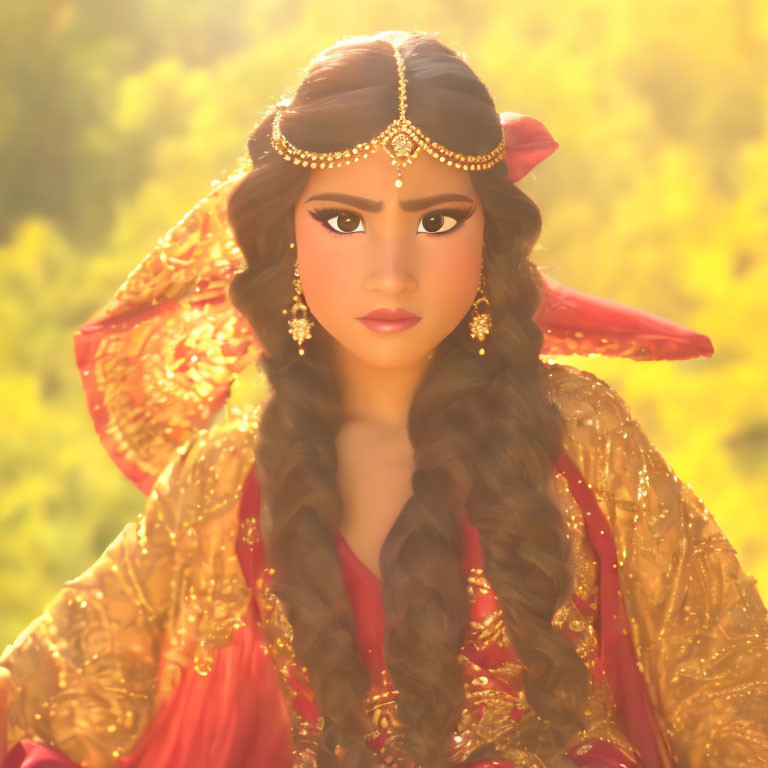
[377, 396]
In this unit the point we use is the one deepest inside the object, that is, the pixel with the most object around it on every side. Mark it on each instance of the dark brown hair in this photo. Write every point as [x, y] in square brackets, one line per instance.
[483, 422]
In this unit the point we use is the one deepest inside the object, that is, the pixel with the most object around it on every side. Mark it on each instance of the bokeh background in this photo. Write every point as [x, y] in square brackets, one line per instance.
[115, 117]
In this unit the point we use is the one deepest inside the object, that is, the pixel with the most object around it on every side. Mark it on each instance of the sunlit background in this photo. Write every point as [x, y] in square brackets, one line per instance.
[115, 117]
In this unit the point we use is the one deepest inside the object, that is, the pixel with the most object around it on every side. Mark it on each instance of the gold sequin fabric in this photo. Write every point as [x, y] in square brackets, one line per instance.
[90, 673]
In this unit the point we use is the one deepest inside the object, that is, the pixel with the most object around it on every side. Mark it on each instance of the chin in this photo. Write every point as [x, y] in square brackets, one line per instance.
[382, 353]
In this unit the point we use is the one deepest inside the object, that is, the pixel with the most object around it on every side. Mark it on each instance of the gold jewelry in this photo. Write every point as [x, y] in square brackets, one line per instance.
[300, 324]
[480, 323]
[401, 139]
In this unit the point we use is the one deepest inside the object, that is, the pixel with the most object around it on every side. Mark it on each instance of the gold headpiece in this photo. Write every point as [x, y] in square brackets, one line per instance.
[401, 139]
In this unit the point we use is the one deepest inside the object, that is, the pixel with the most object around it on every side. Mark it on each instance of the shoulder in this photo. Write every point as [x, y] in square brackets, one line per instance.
[600, 434]
[586, 403]
[645, 502]
[205, 478]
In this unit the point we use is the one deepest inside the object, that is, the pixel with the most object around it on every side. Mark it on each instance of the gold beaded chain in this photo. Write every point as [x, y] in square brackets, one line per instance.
[401, 139]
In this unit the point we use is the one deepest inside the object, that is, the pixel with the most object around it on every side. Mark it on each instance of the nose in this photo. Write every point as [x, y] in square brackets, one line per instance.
[392, 269]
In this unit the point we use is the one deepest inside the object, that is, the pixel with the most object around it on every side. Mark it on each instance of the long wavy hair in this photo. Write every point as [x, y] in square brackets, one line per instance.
[482, 423]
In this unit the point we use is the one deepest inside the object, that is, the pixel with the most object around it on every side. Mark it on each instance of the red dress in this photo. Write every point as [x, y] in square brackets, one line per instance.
[237, 715]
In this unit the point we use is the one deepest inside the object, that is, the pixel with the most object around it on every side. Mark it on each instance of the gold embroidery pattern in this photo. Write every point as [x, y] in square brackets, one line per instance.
[697, 623]
[212, 594]
[83, 676]
[491, 630]
[249, 532]
[279, 634]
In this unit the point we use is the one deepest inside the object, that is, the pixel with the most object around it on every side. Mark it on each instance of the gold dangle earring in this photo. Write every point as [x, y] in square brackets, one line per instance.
[480, 323]
[300, 324]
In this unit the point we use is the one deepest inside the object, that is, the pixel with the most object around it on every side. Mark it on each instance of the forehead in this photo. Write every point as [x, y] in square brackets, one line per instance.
[375, 176]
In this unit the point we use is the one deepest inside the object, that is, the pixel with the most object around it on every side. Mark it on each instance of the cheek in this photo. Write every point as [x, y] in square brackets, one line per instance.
[451, 277]
[326, 274]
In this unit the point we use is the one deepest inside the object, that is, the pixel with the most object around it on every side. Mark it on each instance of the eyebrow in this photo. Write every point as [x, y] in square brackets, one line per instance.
[418, 204]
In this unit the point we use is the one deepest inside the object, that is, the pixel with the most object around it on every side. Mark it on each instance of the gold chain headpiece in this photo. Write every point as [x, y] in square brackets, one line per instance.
[401, 140]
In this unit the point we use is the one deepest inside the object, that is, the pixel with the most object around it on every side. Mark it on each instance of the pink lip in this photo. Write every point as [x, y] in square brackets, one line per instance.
[389, 320]
[390, 314]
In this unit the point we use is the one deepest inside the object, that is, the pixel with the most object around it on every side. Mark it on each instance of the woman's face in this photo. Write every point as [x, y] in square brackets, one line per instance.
[365, 246]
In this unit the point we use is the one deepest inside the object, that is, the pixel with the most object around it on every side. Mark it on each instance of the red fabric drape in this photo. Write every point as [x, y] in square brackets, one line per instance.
[616, 660]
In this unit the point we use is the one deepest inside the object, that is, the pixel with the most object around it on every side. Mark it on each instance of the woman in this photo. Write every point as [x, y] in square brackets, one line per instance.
[444, 551]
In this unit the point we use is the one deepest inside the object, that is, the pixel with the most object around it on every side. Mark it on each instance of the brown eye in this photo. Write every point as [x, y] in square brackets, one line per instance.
[433, 222]
[339, 221]
[437, 223]
[346, 222]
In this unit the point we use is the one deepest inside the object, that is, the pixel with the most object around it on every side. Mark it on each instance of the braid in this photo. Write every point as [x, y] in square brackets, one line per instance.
[296, 456]
[485, 422]
[298, 461]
